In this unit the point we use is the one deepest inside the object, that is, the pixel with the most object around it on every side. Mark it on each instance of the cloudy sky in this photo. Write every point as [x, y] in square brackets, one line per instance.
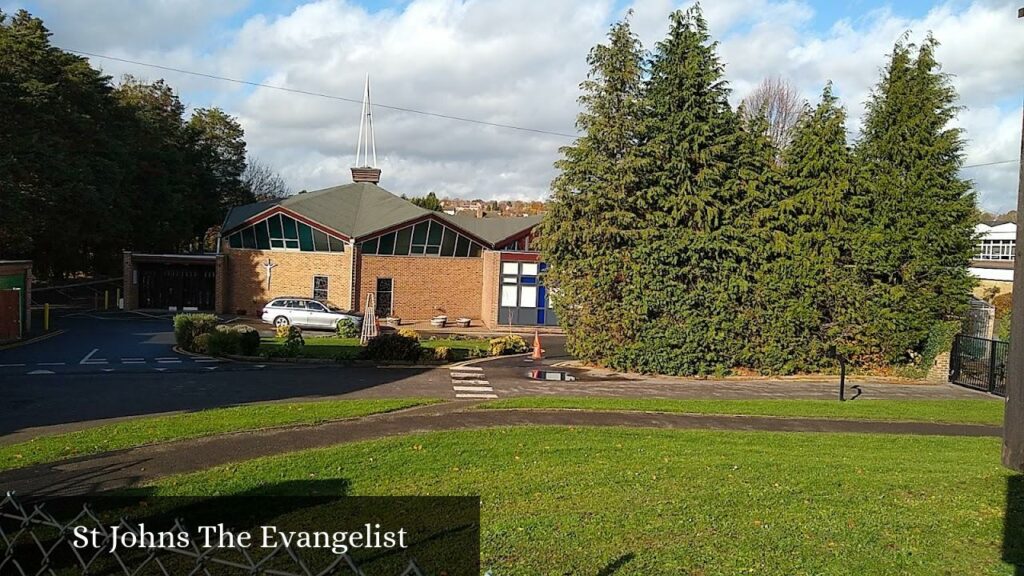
[517, 62]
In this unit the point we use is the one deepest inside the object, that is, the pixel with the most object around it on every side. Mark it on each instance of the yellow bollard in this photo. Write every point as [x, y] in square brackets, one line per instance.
[106, 299]
[46, 317]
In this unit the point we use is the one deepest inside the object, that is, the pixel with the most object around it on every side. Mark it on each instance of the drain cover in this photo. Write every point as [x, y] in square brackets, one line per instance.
[550, 375]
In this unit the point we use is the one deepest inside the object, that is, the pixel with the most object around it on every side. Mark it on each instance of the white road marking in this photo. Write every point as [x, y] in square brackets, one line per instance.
[89, 355]
[476, 395]
[261, 365]
[472, 382]
[208, 360]
[168, 361]
[472, 388]
[159, 369]
[11, 365]
[211, 367]
[108, 369]
[456, 375]
[37, 372]
[466, 369]
[168, 358]
[50, 364]
[96, 362]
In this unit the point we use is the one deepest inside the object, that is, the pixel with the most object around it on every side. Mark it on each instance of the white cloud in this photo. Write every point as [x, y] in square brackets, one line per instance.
[518, 62]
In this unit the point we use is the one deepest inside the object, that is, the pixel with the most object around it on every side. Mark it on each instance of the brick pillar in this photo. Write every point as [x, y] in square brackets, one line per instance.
[939, 372]
[491, 262]
[220, 286]
[130, 291]
[353, 266]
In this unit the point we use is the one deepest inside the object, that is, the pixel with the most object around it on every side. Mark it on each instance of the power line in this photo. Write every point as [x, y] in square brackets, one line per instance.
[990, 163]
[322, 95]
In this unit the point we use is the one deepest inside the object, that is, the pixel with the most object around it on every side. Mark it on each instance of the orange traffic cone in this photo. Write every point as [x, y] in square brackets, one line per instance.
[538, 353]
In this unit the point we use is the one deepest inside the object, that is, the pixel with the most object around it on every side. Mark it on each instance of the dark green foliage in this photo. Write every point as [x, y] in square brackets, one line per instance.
[392, 346]
[920, 236]
[430, 202]
[686, 260]
[249, 342]
[293, 342]
[347, 329]
[222, 342]
[808, 292]
[593, 217]
[681, 241]
[188, 326]
[88, 169]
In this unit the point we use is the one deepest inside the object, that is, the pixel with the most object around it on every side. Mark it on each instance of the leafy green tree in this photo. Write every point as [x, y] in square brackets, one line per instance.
[589, 229]
[686, 252]
[810, 295]
[430, 202]
[220, 141]
[921, 234]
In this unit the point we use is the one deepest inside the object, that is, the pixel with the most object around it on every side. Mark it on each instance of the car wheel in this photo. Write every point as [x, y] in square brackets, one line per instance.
[281, 321]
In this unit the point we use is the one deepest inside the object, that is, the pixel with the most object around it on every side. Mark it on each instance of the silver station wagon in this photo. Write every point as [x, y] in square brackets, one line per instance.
[306, 313]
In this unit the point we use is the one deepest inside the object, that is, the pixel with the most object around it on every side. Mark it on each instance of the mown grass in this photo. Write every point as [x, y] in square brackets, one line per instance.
[335, 348]
[949, 411]
[141, 431]
[560, 500]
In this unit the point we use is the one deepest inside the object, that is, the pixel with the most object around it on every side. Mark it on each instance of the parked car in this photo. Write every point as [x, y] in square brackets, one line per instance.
[306, 313]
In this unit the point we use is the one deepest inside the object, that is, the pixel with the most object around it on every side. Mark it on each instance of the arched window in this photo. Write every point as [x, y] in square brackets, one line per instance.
[281, 232]
[427, 238]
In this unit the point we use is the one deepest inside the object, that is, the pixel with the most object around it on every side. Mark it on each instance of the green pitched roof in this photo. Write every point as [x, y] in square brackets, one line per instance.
[358, 210]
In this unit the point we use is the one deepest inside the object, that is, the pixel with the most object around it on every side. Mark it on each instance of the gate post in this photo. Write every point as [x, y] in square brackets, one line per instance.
[991, 366]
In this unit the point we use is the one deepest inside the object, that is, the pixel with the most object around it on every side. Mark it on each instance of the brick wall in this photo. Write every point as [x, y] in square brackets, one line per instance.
[292, 276]
[422, 285]
[489, 296]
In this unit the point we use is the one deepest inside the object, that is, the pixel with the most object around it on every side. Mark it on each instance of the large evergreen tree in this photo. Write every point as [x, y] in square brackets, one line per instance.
[686, 252]
[921, 233]
[810, 294]
[590, 226]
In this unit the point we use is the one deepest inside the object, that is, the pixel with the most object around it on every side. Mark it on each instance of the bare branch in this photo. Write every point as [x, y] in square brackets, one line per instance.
[780, 102]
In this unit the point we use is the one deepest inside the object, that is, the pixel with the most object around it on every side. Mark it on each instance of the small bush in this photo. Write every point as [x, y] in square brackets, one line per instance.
[511, 344]
[346, 328]
[249, 342]
[476, 353]
[293, 342]
[201, 344]
[409, 333]
[220, 342]
[281, 332]
[442, 353]
[1003, 304]
[188, 326]
[392, 346]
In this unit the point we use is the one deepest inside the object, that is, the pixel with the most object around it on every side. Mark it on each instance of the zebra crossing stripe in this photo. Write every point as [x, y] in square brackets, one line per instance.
[472, 388]
[466, 368]
[481, 396]
[458, 375]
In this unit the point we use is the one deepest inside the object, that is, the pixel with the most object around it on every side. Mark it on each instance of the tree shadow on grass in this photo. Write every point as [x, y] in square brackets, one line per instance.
[614, 566]
[1013, 524]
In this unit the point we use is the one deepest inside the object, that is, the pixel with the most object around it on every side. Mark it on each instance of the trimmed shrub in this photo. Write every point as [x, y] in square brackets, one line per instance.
[293, 342]
[1003, 304]
[511, 344]
[409, 333]
[220, 342]
[392, 346]
[347, 328]
[188, 326]
[201, 344]
[248, 342]
[442, 353]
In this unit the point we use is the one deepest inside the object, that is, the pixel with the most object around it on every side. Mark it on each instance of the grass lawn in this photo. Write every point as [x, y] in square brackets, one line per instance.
[559, 500]
[140, 431]
[334, 348]
[952, 411]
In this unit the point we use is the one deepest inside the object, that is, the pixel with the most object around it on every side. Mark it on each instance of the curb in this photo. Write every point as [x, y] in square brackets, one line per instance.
[33, 340]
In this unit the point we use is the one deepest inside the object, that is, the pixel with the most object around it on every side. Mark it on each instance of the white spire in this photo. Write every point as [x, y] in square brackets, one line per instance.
[367, 145]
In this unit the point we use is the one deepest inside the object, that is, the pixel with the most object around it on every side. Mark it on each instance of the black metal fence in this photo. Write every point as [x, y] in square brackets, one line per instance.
[979, 363]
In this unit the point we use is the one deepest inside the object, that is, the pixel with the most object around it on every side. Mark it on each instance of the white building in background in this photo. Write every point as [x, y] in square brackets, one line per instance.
[993, 264]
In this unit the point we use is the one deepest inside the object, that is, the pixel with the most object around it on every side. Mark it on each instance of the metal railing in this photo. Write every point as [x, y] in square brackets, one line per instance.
[979, 363]
[33, 541]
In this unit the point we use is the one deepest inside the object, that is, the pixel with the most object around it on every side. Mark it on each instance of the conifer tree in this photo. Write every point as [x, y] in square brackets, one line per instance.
[680, 284]
[809, 294]
[921, 236]
[589, 228]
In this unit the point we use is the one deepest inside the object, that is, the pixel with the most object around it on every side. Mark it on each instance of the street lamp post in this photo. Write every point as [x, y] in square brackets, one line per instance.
[1013, 422]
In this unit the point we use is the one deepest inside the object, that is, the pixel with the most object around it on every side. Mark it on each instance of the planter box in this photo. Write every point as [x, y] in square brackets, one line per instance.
[463, 322]
[439, 321]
